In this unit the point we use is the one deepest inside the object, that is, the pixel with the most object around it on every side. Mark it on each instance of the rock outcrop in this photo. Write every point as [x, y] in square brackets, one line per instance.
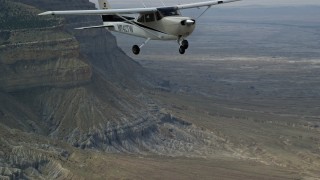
[39, 56]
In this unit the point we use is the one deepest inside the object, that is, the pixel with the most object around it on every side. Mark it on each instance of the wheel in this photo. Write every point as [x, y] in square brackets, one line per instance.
[185, 44]
[182, 50]
[136, 49]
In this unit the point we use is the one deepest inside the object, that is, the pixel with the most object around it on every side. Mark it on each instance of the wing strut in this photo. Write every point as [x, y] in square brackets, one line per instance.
[164, 5]
[203, 12]
[144, 5]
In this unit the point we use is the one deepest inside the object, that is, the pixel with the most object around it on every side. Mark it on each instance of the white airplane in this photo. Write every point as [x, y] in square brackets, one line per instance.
[154, 23]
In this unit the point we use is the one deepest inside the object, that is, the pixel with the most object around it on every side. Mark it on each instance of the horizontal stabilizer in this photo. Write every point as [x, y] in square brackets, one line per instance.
[92, 27]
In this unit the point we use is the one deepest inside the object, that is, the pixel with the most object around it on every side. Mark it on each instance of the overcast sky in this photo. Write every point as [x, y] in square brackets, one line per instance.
[137, 3]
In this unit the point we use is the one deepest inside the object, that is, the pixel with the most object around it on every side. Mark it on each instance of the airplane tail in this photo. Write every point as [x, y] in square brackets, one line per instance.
[103, 4]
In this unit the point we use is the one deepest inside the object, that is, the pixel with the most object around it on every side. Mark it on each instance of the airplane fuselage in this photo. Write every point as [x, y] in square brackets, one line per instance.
[167, 28]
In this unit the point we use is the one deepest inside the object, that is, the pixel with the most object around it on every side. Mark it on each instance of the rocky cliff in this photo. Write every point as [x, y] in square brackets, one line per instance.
[38, 55]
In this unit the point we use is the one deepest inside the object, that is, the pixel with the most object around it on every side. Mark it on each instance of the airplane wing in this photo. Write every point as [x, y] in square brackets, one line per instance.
[202, 4]
[134, 10]
[101, 11]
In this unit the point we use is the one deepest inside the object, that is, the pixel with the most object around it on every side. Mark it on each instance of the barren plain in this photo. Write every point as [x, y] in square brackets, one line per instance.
[252, 76]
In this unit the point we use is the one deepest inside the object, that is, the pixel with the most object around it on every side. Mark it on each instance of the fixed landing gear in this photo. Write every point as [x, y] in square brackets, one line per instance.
[182, 50]
[136, 48]
[184, 44]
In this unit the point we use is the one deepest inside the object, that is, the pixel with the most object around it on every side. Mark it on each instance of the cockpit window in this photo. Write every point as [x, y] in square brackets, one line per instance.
[146, 18]
[141, 19]
[168, 11]
[149, 17]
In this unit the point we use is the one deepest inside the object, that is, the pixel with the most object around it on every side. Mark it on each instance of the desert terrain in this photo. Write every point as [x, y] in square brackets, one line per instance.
[253, 77]
[242, 103]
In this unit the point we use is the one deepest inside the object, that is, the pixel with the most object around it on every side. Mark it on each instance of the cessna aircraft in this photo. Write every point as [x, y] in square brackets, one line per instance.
[153, 23]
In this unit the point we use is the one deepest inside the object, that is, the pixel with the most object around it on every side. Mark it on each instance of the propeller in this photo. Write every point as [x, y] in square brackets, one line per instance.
[188, 22]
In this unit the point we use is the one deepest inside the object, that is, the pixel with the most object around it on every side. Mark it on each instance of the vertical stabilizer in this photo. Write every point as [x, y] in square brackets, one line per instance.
[104, 4]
